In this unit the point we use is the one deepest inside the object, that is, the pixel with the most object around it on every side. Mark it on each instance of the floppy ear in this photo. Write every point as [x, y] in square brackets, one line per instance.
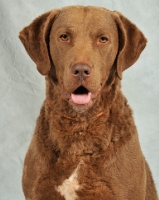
[35, 39]
[131, 43]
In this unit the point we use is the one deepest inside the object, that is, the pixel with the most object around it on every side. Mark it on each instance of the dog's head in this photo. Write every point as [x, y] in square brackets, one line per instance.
[81, 46]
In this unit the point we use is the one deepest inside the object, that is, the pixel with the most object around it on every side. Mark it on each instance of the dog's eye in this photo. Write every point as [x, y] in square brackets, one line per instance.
[103, 39]
[64, 37]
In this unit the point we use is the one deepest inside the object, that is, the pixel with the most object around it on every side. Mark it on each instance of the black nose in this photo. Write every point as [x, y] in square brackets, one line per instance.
[81, 71]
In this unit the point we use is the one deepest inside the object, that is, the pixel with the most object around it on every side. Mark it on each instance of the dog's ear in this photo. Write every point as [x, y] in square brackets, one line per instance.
[35, 39]
[131, 43]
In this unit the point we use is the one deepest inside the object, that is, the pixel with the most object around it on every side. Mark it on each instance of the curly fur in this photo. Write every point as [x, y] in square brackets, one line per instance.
[89, 157]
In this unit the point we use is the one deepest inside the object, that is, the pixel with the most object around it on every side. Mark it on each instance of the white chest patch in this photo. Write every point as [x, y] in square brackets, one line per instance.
[69, 187]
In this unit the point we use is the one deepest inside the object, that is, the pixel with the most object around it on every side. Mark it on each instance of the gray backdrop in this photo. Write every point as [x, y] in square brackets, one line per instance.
[22, 88]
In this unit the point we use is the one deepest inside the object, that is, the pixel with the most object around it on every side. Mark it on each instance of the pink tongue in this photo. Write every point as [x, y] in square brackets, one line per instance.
[81, 98]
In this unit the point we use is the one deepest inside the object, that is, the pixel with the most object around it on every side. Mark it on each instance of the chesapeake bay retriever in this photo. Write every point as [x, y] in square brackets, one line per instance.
[85, 145]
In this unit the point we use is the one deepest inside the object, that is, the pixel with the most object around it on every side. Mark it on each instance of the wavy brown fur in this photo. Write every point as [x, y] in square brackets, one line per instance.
[103, 152]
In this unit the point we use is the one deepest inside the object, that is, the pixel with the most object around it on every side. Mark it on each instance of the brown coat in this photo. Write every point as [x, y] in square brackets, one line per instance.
[85, 145]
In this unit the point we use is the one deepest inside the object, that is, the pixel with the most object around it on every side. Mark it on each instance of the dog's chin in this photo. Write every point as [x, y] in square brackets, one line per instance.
[80, 108]
[82, 99]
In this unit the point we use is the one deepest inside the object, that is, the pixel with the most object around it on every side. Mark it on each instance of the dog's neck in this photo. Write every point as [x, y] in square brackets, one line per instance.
[98, 124]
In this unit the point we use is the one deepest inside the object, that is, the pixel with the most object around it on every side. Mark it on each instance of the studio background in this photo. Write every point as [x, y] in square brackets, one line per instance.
[22, 88]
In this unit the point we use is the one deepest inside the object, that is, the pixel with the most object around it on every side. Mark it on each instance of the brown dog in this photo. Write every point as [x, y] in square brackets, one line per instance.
[85, 145]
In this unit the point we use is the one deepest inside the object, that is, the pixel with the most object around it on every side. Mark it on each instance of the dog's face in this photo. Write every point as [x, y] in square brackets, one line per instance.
[81, 45]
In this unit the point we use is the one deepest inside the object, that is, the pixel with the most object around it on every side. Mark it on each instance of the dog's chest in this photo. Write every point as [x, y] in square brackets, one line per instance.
[69, 186]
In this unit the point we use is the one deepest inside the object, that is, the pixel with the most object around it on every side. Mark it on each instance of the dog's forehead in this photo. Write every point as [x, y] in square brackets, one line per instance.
[89, 16]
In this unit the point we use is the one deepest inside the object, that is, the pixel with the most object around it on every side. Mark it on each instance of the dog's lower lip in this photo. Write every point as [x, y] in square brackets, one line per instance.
[81, 98]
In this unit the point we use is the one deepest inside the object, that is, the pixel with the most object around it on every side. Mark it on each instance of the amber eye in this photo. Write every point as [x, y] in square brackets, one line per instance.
[64, 37]
[103, 39]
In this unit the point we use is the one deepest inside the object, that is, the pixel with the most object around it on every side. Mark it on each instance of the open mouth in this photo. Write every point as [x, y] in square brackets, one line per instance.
[81, 98]
[81, 95]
